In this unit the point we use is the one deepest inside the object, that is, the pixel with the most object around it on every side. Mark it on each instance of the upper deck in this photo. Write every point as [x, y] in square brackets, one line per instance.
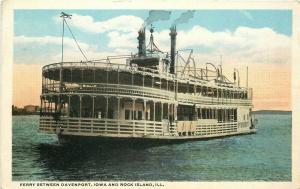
[106, 78]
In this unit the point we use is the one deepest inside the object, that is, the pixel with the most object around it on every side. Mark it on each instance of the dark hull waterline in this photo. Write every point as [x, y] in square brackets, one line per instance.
[132, 141]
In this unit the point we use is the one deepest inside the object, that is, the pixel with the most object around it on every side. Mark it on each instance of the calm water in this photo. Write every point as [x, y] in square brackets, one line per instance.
[264, 156]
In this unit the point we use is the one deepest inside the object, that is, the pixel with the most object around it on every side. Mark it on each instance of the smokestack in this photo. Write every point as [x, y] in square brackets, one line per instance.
[173, 34]
[142, 42]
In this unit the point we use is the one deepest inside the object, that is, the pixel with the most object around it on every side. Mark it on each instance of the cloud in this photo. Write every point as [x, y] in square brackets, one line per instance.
[46, 49]
[48, 40]
[124, 23]
[122, 40]
[248, 45]
[121, 31]
[244, 45]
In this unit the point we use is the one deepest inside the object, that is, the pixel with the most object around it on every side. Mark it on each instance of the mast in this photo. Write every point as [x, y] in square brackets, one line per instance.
[63, 16]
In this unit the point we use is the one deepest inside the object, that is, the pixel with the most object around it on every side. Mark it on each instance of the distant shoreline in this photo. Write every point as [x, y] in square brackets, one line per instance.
[255, 112]
[22, 114]
[272, 112]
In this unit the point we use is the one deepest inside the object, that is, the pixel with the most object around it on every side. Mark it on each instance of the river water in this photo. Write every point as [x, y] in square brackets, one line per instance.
[264, 156]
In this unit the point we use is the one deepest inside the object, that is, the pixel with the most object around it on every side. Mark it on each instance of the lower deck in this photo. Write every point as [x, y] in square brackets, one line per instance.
[112, 128]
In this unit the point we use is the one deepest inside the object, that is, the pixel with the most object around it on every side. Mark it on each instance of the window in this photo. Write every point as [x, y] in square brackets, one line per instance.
[203, 113]
[127, 114]
[139, 115]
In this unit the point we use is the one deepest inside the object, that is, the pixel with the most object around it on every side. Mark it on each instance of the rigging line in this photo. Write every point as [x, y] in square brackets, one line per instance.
[62, 41]
[75, 40]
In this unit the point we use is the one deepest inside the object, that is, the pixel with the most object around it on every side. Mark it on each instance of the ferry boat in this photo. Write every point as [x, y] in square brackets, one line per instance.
[147, 97]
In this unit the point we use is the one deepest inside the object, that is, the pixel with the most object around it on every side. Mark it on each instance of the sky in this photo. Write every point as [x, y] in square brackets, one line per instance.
[259, 39]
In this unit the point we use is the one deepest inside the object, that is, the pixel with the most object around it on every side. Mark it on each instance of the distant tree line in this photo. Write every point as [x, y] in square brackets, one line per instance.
[27, 110]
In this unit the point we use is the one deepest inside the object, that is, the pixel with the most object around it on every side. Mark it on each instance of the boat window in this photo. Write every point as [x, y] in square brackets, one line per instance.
[204, 91]
[139, 115]
[198, 88]
[202, 113]
[137, 79]
[133, 115]
[215, 92]
[235, 115]
[127, 114]
[199, 113]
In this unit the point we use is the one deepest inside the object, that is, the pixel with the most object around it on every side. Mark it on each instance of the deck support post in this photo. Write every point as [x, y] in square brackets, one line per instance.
[60, 88]
[144, 116]
[175, 112]
[132, 78]
[56, 101]
[154, 116]
[106, 114]
[217, 114]
[51, 104]
[93, 106]
[168, 116]
[175, 117]
[106, 108]
[45, 106]
[167, 85]
[118, 98]
[152, 81]
[143, 79]
[161, 111]
[41, 105]
[133, 114]
[145, 109]
[69, 106]
[196, 113]
[80, 106]
[168, 110]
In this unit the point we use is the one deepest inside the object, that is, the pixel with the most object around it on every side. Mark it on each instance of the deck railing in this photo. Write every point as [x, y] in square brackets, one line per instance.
[102, 88]
[139, 91]
[88, 126]
[198, 99]
[138, 128]
[107, 65]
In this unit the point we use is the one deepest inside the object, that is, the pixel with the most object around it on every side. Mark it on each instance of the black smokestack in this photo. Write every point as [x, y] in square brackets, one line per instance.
[142, 42]
[173, 34]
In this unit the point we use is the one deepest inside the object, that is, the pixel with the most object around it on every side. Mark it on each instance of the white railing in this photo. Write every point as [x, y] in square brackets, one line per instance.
[199, 99]
[138, 128]
[89, 126]
[216, 129]
[140, 91]
[107, 65]
[122, 89]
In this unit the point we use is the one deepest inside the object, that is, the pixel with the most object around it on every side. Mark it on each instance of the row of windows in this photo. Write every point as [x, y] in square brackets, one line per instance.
[219, 114]
[135, 115]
